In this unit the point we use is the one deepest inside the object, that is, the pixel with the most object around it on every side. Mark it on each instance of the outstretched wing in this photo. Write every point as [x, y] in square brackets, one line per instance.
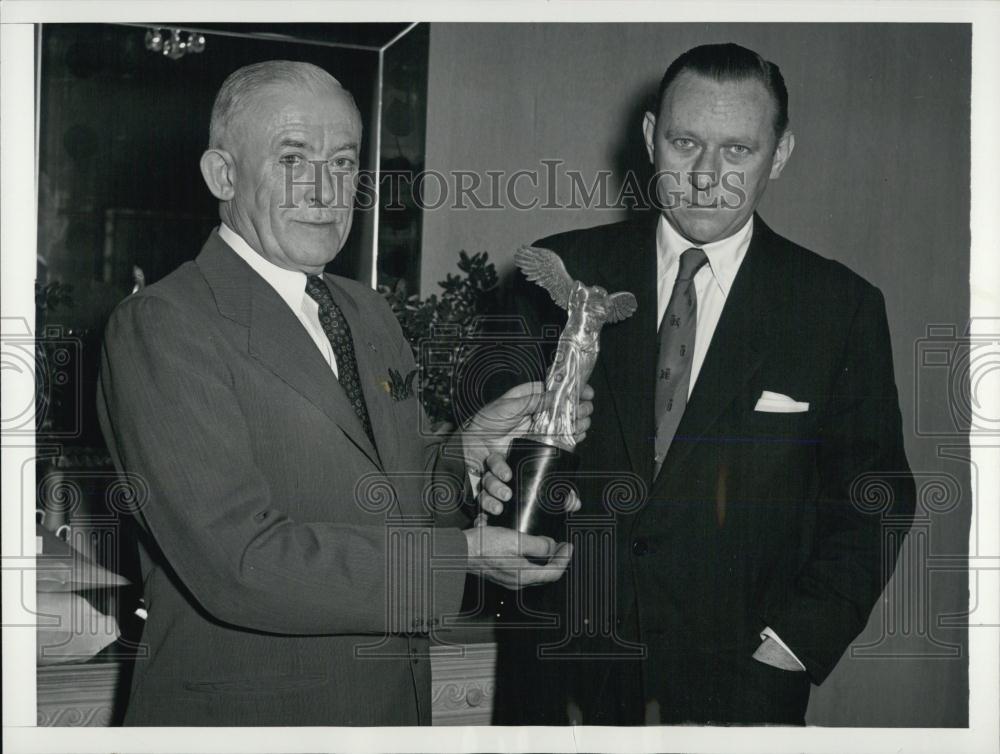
[620, 305]
[545, 268]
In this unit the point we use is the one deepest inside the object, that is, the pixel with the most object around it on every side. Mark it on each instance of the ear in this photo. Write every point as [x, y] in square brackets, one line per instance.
[218, 170]
[781, 153]
[649, 132]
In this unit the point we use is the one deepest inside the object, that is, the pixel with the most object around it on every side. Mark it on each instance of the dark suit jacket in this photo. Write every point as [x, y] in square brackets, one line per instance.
[285, 561]
[756, 519]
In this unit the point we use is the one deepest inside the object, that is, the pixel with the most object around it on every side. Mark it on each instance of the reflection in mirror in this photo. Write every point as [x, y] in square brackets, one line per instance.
[401, 159]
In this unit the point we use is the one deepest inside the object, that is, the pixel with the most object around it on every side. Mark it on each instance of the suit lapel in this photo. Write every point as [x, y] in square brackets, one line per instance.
[276, 338]
[737, 350]
[628, 349]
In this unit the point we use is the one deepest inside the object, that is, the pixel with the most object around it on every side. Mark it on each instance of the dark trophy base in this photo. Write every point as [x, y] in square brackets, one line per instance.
[540, 486]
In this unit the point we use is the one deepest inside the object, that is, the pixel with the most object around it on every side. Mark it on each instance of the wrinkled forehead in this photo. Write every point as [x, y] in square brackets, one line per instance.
[276, 108]
[730, 102]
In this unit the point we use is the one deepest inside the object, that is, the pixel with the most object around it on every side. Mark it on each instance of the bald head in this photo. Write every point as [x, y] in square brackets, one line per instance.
[242, 91]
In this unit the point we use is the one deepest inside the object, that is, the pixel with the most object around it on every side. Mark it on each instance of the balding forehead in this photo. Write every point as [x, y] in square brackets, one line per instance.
[259, 111]
[244, 95]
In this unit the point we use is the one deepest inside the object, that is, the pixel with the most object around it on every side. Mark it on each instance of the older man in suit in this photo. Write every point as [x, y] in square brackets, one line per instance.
[752, 395]
[292, 567]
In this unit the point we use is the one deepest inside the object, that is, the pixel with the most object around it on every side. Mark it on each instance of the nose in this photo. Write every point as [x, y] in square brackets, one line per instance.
[704, 174]
[341, 187]
[328, 187]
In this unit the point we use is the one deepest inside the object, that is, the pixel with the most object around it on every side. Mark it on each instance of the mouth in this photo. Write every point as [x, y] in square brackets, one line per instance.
[320, 221]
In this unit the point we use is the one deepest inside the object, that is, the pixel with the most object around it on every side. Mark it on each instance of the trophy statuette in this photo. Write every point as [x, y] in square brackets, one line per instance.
[547, 452]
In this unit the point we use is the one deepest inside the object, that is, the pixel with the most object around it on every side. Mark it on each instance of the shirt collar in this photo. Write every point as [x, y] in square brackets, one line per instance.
[289, 284]
[724, 256]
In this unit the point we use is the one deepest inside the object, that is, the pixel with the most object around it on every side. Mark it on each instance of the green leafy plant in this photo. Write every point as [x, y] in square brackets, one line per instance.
[463, 298]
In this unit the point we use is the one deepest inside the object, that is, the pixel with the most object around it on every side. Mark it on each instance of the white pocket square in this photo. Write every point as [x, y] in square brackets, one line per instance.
[776, 403]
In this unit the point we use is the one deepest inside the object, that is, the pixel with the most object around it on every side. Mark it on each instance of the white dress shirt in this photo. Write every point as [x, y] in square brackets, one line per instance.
[711, 283]
[290, 285]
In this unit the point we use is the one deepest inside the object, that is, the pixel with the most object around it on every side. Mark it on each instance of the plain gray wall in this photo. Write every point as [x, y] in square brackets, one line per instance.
[879, 180]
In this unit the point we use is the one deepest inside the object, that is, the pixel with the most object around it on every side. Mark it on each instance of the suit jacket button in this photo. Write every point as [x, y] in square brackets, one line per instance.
[639, 547]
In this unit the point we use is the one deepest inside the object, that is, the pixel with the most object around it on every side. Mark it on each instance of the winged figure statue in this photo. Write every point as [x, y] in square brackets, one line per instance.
[589, 309]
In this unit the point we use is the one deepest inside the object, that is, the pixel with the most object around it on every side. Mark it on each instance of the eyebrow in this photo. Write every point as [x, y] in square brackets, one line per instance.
[348, 145]
[298, 144]
[685, 134]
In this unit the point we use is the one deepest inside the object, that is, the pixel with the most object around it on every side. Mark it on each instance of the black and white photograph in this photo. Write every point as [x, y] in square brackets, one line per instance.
[483, 377]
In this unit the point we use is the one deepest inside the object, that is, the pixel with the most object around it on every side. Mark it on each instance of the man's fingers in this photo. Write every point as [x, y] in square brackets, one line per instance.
[562, 555]
[490, 504]
[524, 399]
[529, 405]
[524, 389]
[551, 571]
[495, 487]
[531, 546]
[557, 563]
[517, 560]
[499, 416]
[496, 463]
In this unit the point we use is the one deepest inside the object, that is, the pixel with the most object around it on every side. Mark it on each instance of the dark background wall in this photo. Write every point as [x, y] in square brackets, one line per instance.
[879, 180]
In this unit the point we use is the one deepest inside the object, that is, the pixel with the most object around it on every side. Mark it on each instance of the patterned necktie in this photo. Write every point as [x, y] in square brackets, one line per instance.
[339, 333]
[676, 349]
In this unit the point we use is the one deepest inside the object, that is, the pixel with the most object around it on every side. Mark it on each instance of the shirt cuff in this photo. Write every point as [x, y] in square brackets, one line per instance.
[767, 633]
[474, 481]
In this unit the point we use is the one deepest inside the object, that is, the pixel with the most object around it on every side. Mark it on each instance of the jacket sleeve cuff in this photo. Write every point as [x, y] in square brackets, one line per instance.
[446, 564]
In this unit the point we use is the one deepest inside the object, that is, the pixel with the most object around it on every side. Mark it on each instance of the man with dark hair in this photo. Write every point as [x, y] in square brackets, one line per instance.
[730, 62]
[293, 563]
[750, 399]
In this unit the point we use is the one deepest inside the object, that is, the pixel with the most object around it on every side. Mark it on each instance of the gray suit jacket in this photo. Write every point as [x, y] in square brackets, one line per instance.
[287, 563]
